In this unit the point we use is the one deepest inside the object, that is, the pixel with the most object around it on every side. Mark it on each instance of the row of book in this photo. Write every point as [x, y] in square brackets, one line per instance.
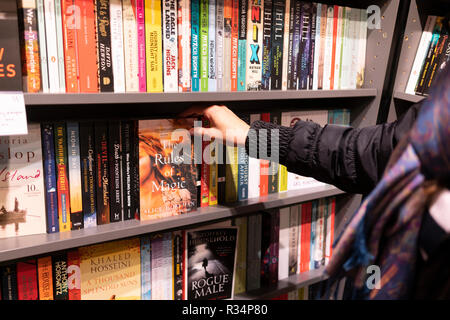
[66, 176]
[217, 261]
[190, 45]
[432, 55]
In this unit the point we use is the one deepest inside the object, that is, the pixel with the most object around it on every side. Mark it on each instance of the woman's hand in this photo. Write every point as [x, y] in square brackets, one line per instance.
[225, 126]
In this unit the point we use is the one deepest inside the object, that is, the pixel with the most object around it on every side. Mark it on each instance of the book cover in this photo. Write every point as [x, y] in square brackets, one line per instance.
[74, 274]
[104, 49]
[234, 54]
[227, 25]
[69, 30]
[146, 268]
[294, 238]
[346, 47]
[313, 240]
[231, 174]
[267, 45]
[215, 193]
[254, 252]
[319, 235]
[162, 266]
[88, 173]
[240, 278]
[117, 44]
[355, 30]
[27, 282]
[126, 128]
[111, 270]
[153, 47]
[333, 44]
[220, 56]
[328, 47]
[8, 277]
[285, 52]
[74, 175]
[254, 164]
[242, 45]
[362, 41]
[304, 50]
[277, 44]
[60, 46]
[312, 46]
[29, 44]
[305, 239]
[45, 278]
[102, 172]
[290, 48]
[195, 45]
[167, 174]
[42, 45]
[203, 44]
[264, 166]
[60, 276]
[211, 263]
[270, 248]
[212, 61]
[142, 43]
[325, 229]
[317, 45]
[329, 240]
[275, 118]
[284, 244]
[205, 168]
[254, 45]
[184, 45]
[135, 182]
[52, 46]
[243, 168]
[340, 24]
[115, 170]
[130, 46]
[170, 45]
[51, 197]
[87, 47]
[295, 48]
[441, 60]
[321, 44]
[178, 264]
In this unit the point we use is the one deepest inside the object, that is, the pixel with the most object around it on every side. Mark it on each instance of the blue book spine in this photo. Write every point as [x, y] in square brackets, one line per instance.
[195, 31]
[146, 272]
[267, 45]
[50, 178]
[314, 216]
[242, 45]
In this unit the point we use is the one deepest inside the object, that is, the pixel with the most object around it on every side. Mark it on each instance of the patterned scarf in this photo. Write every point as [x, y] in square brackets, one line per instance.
[384, 230]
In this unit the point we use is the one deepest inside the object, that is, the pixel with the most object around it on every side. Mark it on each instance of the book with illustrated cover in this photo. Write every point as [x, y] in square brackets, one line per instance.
[69, 31]
[130, 46]
[278, 23]
[111, 270]
[170, 45]
[74, 274]
[212, 60]
[142, 43]
[59, 269]
[104, 49]
[27, 282]
[102, 172]
[267, 45]
[195, 45]
[117, 44]
[146, 268]
[203, 44]
[242, 45]
[211, 263]
[45, 278]
[162, 266]
[153, 45]
[167, 174]
[184, 45]
[74, 171]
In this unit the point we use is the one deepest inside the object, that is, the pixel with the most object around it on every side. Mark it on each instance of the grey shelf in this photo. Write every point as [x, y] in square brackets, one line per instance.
[25, 246]
[285, 285]
[36, 99]
[408, 97]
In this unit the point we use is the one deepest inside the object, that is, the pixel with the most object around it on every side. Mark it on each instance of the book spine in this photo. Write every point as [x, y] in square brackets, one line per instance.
[130, 46]
[355, 30]
[184, 45]
[88, 169]
[219, 54]
[326, 221]
[277, 45]
[317, 45]
[146, 268]
[45, 279]
[295, 46]
[254, 168]
[287, 20]
[29, 43]
[347, 25]
[275, 118]
[27, 282]
[178, 264]
[126, 141]
[333, 46]
[327, 63]
[212, 60]
[170, 45]
[141, 40]
[51, 196]
[362, 40]
[161, 266]
[442, 55]
[254, 45]
[267, 45]
[105, 70]
[321, 42]
[42, 46]
[314, 221]
[204, 180]
[330, 228]
[214, 173]
[87, 47]
[52, 46]
[254, 252]
[74, 274]
[69, 30]
[227, 22]
[242, 45]
[434, 59]
[219, 184]
[115, 181]
[274, 247]
[305, 245]
[135, 183]
[266, 237]
[153, 38]
[231, 177]
[117, 45]
[102, 173]
[234, 54]
[338, 50]
[195, 53]
[74, 170]
[240, 275]
[8, 277]
[264, 167]
[243, 169]
[60, 46]
[62, 177]
[204, 54]
[284, 248]
[318, 254]
[293, 234]
[303, 61]
[59, 269]
[312, 45]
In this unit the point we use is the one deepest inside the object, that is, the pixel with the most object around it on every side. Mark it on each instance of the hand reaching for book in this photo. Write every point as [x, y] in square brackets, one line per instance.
[224, 125]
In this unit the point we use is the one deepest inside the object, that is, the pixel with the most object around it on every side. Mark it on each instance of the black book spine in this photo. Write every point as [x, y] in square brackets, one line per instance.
[275, 117]
[438, 55]
[290, 84]
[115, 185]
[221, 173]
[277, 43]
[296, 44]
[135, 184]
[267, 45]
[312, 44]
[8, 276]
[178, 265]
[106, 78]
[102, 173]
[304, 52]
[59, 270]
[126, 132]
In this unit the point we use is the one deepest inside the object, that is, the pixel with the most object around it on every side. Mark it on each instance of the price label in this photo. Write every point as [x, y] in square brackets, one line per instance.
[13, 117]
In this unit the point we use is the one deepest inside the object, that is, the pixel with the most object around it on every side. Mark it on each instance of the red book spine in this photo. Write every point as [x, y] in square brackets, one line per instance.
[234, 44]
[264, 168]
[27, 287]
[87, 47]
[74, 275]
[204, 179]
[305, 237]
[69, 25]
[333, 51]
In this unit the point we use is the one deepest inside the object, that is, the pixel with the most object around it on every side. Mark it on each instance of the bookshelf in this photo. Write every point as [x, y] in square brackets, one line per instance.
[364, 104]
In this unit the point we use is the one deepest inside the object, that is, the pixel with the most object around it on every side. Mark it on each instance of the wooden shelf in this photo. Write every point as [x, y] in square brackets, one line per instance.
[408, 97]
[25, 246]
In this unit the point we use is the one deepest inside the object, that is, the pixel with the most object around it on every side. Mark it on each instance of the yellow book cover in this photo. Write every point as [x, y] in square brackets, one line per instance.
[111, 270]
[231, 174]
[283, 176]
[153, 45]
[45, 278]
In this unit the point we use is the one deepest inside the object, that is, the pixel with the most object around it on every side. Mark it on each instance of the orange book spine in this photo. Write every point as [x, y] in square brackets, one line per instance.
[87, 47]
[305, 239]
[234, 44]
[333, 51]
[45, 278]
[264, 169]
[69, 25]
[74, 274]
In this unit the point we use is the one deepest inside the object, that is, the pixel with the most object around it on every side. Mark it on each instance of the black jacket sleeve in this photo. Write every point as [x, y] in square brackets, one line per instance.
[351, 159]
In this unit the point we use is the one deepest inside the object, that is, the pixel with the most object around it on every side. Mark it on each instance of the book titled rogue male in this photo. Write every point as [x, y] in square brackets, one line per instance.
[22, 193]
[166, 171]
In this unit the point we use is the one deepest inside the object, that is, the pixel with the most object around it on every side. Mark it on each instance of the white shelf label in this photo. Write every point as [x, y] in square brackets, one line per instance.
[13, 117]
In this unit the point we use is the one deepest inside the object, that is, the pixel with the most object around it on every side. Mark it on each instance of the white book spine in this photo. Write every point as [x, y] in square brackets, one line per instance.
[346, 50]
[184, 45]
[319, 233]
[337, 56]
[118, 64]
[42, 45]
[283, 249]
[317, 47]
[354, 32]
[328, 49]
[212, 82]
[219, 44]
[328, 243]
[254, 46]
[286, 45]
[52, 46]
[424, 43]
[361, 49]
[60, 47]
[170, 45]
[293, 239]
[253, 168]
[130, 47]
